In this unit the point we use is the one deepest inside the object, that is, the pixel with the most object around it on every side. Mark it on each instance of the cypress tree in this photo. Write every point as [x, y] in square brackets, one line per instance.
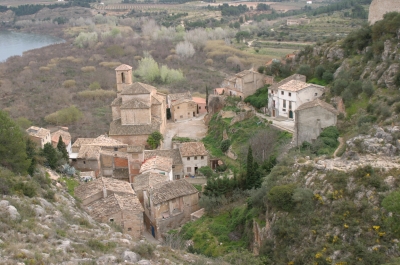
[207, 98]
[62, 148]
[250, 170]
[51, 156]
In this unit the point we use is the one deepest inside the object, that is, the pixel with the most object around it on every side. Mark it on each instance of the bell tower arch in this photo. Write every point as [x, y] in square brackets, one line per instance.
[124, 77]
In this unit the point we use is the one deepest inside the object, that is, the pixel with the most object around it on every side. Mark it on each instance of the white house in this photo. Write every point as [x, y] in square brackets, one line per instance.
[290, 93]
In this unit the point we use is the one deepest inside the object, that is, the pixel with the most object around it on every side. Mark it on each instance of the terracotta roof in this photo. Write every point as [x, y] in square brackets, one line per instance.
[294, 85]
[66, 137]
[135, 104]
[86, 190]
[116, 128]
[123, 67]
[105, 141]
[148, 180]
[199, 100]
[180, 101]
[317, 103]
[170, 190]
[287, 79]
[81, 141]
[193, 149]
[91, 152]
[113, 204]
[38, 132]
[172, 153]
[157, 162]
[176, 96]
[117, 102]
[137, 88]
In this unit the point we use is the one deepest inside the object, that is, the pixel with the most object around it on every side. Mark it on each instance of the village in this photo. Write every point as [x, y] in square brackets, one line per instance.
[150, 190]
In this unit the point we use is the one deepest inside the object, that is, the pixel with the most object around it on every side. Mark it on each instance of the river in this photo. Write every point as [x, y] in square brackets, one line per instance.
[15, 43]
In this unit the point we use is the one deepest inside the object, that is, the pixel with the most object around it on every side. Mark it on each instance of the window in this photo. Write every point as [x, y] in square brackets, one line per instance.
[115, 148]
[202, 157]
[178, 107]
[199, 107]
[181, 116]
[111, 220]
[195, 158]
[282, 93]
[188, 158]
[129, 229]
[84, 162]
[290, 94]
[189, 169]
[290, 104]
[284, 104]
[316, 94]
[123, 77]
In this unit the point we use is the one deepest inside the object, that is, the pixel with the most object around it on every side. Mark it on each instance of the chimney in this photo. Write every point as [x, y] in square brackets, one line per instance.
[104, 192]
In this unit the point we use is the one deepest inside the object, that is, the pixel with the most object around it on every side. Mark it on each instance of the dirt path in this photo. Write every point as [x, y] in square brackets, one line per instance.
[341, 143]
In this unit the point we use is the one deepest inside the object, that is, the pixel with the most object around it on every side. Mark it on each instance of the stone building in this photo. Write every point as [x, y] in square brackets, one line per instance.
[177, 165]
[177, 96]
[311, 119]
[65, 136]
[138, 110]
[243, 84]
[40, 136]
[116, 164]
[287, 95]
[201, 105]
[194, 156]
[113, 201]
[379, 8]
[147, 181]
[169, 205]
[183, 109]
[158, 164]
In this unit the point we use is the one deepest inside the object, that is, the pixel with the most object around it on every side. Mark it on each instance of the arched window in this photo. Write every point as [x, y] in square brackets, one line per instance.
[123, 77]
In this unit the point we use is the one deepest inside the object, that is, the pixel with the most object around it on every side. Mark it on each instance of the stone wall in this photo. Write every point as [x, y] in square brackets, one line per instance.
[380, 7]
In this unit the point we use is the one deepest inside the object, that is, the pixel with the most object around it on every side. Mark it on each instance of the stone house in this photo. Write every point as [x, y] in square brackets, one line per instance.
[158, 164]
[113, 201]
[88, 150]
[219, 91]
[311, 118]
[177, 165]
[287, 95]
[138, 110]
[169, 205]
[177, 96]
[40, 136]
[194, 156]
[66, 138]
[201, 105]
[147, 181]
[243, 84]
[183, 109]
[116, 164]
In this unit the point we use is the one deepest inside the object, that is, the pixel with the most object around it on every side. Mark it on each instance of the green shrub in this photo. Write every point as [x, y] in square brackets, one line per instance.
[225, 145]
[145, 250]
[64, 116]
[366, 119]
[259, 99]
[281, 197]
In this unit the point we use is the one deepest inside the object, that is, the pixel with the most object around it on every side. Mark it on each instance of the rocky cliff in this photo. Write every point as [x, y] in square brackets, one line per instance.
[380, 7]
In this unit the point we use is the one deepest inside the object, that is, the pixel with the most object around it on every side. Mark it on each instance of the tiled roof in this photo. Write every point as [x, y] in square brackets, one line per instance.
[114, 153]
[121, 173]
[148, 180]
[105, 141]
[199, 100]
[172, 153]
[117, 102]
[82, 141]
[157, 162]
[315, 103]
[38, 132]
[116, 128]
[86, 190]
[176, 96]
[134, 149]
[287, 79]
[91, 152]
[244, 73]
[66, 137]
[180, 101]
[135, 104]
[113, 204]
[193, 149]
[170, 190]
[137, 88]
[294, 85]
[123, 67]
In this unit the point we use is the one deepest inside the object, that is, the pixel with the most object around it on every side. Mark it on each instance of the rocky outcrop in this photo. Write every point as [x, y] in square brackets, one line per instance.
[334, 53]
[380, 7]
[388, 77]
[344, 67]
[378, 71]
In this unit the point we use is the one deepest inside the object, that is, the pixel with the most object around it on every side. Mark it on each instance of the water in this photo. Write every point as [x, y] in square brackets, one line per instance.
[15, 43]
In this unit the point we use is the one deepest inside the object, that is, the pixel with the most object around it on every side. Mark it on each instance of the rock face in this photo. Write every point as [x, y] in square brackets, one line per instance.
[380, 7]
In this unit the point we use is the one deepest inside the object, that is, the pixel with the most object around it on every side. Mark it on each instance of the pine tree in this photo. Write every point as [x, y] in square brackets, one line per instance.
[207, 98]
[63, 149]
[250, 181]
[12, 145]
[51, 155]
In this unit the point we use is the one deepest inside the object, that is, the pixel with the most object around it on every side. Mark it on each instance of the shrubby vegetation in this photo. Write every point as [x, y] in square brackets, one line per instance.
[326, 143]
[259, 99]
[64, 116]
[149, 71]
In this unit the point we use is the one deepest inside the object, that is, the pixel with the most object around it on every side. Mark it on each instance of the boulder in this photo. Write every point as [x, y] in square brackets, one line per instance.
[13, 212]
[144, 262]
[107, 259]
[130, 256]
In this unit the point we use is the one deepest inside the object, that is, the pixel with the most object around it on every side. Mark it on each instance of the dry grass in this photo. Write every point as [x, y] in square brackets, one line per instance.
[69, 83]
[99, 94]
[218, 50]
[110, 65]
[87, 69]
[44, 69]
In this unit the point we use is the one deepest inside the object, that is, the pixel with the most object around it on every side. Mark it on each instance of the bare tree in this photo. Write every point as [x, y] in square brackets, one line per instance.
[184, 49]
